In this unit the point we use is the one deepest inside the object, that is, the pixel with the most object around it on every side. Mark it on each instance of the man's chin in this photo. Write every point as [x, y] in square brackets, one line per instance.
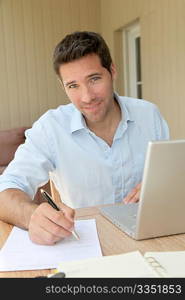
[92, 118]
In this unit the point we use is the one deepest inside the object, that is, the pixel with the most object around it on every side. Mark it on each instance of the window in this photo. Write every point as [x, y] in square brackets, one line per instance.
[132, 61]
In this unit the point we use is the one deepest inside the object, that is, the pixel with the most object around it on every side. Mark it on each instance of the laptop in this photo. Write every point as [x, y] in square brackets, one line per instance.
[161, 209]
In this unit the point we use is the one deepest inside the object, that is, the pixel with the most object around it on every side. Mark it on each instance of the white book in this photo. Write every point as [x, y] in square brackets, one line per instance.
[167, 264]
[131, 264]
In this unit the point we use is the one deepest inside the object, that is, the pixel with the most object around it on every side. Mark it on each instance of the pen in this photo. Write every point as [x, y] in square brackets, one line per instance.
[50, 201]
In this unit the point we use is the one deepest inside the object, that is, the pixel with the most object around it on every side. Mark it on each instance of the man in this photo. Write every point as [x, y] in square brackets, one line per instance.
[94, 148]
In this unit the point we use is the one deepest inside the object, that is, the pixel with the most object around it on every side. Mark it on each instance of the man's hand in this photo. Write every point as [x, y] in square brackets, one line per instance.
[134, 195]
[48, 226]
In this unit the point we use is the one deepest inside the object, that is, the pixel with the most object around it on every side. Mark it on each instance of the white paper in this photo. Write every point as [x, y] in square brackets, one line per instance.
[19, 253]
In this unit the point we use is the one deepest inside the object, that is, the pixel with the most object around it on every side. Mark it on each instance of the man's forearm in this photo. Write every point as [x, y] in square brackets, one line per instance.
[16, 207]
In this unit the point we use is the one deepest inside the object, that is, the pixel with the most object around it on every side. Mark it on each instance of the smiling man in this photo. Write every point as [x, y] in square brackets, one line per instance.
[89, 86]
[94, 148]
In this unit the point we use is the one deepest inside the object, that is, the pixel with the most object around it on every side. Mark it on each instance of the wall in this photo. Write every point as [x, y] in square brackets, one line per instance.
[29, 31]
[162, 49]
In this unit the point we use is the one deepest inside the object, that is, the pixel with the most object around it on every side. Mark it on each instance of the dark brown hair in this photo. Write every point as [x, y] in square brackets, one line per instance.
[79, 44]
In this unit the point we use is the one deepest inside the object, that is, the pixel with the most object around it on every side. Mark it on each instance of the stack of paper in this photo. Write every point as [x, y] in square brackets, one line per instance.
[19, 253]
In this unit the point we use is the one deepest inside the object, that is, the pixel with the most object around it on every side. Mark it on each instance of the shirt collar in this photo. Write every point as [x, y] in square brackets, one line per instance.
[125, 114]
[78, 122]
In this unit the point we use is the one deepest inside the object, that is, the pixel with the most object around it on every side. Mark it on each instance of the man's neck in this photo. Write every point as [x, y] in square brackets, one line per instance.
[107, 128]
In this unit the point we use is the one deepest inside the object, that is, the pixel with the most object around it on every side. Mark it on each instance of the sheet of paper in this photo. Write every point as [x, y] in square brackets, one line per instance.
[19, 253]
[131, 264]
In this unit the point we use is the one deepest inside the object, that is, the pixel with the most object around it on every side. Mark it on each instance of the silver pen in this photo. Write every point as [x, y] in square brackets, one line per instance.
[50, 201]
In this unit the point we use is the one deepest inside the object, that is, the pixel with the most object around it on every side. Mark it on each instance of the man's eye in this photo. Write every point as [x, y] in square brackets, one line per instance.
[95, 78]
[72, 86]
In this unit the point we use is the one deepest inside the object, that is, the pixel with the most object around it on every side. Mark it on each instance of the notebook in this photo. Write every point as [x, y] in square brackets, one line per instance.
[131, 264]
[160, 211]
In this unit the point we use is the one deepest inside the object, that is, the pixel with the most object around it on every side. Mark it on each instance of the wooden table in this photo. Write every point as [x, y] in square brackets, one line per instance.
[112, 240]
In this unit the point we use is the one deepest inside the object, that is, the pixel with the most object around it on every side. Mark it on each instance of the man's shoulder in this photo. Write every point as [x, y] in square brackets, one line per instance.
[138, 107]
[55, 118]
[131, 102]
[60, 114]
[140, 110]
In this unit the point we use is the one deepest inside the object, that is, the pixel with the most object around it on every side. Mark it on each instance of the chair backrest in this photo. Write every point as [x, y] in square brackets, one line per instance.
[54, 193]
[10, 139]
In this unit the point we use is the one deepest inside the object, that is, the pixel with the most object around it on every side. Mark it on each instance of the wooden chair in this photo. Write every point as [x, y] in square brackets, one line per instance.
[54, 193]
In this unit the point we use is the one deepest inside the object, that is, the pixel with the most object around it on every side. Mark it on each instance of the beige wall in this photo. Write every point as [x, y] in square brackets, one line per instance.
[163, 51]
[29, 31]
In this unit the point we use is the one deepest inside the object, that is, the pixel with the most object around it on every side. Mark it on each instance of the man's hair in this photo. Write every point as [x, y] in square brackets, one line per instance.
[79, 44]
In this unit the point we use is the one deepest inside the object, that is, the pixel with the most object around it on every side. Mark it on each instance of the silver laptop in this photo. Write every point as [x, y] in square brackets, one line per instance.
[161, 209]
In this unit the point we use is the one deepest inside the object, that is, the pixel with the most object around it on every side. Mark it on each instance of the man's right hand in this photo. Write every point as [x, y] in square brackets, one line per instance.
[48, 226]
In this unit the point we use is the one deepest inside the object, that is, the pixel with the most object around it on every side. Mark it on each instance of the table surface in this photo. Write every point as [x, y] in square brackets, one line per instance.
[112, 241]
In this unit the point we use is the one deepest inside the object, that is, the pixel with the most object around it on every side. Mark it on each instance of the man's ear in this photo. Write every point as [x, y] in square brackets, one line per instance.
[61, 82]
[113, 71]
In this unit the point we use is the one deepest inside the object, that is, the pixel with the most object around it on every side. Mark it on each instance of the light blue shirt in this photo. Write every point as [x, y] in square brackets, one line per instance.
[85, 169]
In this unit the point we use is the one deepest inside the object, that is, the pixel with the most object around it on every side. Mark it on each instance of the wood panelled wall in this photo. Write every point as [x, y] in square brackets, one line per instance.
[29, 31]
[162, 49]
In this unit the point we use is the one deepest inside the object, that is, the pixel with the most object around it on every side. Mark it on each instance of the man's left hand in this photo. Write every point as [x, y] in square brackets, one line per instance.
[134, 195]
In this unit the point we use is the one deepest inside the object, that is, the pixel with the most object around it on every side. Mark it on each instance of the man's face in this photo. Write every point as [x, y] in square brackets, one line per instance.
[89, 86]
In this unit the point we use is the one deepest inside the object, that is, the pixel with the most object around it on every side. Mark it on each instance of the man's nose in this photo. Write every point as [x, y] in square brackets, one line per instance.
[87, 94]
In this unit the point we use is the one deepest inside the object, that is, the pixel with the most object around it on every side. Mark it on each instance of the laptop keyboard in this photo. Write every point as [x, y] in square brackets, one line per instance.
[130, 210]
[123, 216]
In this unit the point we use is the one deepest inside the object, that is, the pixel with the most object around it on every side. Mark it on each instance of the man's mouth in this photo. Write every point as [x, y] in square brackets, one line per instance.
[92, 106]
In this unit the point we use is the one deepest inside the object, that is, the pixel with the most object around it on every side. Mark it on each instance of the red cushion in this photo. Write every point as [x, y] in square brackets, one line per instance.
[10, 139]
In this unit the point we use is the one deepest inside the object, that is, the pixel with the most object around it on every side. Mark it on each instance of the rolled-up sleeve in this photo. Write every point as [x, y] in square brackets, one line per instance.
[32, 162]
